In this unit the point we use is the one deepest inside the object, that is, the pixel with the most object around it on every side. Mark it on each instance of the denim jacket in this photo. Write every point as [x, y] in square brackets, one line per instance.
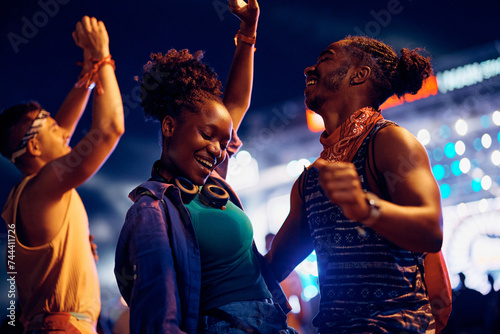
[157, 260]
[157, 263]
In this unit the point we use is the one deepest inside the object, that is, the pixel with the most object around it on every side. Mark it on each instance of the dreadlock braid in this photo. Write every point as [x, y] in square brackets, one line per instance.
[391, 74]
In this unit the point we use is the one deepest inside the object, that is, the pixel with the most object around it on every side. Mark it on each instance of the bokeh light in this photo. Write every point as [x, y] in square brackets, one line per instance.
[444, 131]
[449, 150]
[496, 117]
[461, 127]
[460, 147]
[295, 167]
[310, 292]
[486, 182]
[485, 121]
[437, 154]
[243, 158]
[478, 146]
[455, 168]
[476, 184]
[445, 190]
[462, 210]
[438, 172]
[495, 157]
[483, 205]
[486, 140]
[465, 165]
[424, 137]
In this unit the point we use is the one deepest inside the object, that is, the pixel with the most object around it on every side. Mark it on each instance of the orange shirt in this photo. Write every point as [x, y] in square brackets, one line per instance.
[60, 276]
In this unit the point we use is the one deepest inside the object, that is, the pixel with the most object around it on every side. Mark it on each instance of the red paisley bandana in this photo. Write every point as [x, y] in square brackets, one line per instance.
[345, 141]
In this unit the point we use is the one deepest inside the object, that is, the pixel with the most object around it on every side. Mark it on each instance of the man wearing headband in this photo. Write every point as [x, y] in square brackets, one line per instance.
[54, 258]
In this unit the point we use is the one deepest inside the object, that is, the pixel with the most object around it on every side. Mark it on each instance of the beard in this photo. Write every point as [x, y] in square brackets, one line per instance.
[332, 84]
[314, 103]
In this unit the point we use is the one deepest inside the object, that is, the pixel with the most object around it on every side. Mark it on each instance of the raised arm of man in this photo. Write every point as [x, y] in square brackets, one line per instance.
[56, 167]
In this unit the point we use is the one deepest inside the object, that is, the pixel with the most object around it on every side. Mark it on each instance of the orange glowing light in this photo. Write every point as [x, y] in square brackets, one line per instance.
[429, 87]
[314, 121]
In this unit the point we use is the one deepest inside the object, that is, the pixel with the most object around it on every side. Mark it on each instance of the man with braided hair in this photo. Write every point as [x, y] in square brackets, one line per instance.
[369, 206]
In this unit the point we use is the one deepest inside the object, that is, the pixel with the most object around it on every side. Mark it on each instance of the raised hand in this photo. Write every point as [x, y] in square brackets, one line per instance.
[92, 37]
[247, 13]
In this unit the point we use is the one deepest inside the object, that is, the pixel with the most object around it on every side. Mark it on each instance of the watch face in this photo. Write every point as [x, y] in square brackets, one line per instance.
[372, 201]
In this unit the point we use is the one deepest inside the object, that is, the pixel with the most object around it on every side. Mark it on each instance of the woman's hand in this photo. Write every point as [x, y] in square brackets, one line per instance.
[92, 37]
[247, 13]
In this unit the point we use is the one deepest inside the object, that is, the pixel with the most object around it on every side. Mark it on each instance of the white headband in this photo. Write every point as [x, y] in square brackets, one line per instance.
[32, 131]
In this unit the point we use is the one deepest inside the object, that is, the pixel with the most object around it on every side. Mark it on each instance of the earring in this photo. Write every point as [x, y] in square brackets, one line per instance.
[352, 82]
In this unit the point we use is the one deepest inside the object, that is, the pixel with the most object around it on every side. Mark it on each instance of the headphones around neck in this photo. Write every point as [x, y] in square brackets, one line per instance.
[210, 194]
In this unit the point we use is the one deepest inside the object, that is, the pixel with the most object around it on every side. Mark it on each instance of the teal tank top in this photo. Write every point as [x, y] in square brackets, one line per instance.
[229, 268]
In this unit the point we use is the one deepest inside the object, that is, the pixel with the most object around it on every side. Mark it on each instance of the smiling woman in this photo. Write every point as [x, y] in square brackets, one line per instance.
[195, 125]
[195, 144]
[187, 262]
[197, 240]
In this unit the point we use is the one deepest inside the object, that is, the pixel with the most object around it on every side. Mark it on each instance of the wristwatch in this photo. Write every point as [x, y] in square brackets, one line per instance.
[373, 202]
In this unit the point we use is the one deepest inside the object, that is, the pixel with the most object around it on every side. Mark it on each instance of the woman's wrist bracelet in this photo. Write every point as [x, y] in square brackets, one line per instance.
[243, 38]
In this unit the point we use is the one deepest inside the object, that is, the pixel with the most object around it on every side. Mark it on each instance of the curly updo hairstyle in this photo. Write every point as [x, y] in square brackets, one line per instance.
[176, 82]
[391, 74]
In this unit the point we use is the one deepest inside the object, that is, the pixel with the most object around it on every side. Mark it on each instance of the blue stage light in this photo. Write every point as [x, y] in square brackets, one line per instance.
[445, 190]
[455, 168]
[438, 172]
[477, 144]
[437, 154]
[485, 121]
[444, 131]
[476, 184]
[449, 150]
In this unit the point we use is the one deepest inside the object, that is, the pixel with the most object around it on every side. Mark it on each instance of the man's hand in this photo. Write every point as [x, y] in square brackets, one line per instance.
[247, 13]
[92, 37]
[341, 184]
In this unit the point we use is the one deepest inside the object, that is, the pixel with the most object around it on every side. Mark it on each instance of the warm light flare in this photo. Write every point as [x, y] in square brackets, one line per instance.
[429, 87]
